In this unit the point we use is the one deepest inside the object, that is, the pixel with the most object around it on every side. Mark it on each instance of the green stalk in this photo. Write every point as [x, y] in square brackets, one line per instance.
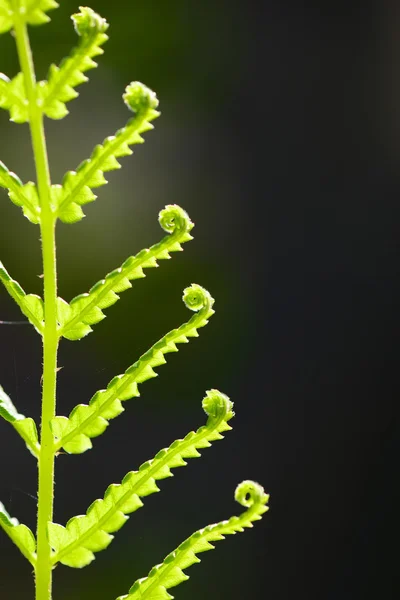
[43, 570]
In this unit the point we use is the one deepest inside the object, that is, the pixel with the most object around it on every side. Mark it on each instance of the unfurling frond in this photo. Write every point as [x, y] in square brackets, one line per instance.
[75, 319]
[75, 544]
[30, 304]
[170, 573]
[62, 80]
[20, 534]
[88, 421]
[77, 185]
[32, 12]
[25, 196]
[26, 427]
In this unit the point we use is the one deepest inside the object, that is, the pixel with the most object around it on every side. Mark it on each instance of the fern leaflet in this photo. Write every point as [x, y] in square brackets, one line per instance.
[76, 187]
[170, 573]
[32, 12]
[25, 196]
[62, 80]
[88, 421]
[26, 427]
[85, 310]
[74, 544]
[13, 98]
[30, 304]
[20, 534]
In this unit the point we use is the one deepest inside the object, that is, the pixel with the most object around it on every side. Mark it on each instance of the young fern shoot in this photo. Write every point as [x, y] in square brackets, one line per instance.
[44, 204]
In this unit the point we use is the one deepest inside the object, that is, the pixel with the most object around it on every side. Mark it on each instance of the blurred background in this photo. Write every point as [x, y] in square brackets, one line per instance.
[280, 135]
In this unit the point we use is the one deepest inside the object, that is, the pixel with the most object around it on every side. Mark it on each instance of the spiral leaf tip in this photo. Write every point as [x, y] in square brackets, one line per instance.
[173, 218]
[216, 404]
[87, 21]
[196, 297]
[139, 97]
[249, 493]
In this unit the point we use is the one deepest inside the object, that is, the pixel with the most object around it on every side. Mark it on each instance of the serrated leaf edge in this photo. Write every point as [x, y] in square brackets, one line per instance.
[132, 268]
[143, 367]
[218, 407]
[12, 528]
[20, 297]
[112, 147]
[249, 494]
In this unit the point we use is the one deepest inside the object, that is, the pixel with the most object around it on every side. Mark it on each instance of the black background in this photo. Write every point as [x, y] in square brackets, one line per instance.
[280, 136]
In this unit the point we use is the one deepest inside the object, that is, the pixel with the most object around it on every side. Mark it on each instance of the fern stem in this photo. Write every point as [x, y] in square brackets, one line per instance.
[43, 569]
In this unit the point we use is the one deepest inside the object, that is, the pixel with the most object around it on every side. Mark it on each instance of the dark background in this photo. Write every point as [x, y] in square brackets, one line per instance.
[280, 135]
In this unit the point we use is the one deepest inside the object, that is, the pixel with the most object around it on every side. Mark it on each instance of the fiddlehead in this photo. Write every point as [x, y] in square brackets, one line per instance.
[88, 421]
[170, 572]
[77, 185]
[75, 319]
[59, 89]
[83, 535]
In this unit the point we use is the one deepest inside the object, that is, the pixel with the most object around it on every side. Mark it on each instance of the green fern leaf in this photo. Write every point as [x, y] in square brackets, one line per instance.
[88, 421]
[6, 16]
[13, 98]
[25, 196]
[75, 544]
[31, 305]
[26, 427]
[85, 310]
[59, 89]
[33, 13]
[170, 573]
[77, 185]
[20, 534]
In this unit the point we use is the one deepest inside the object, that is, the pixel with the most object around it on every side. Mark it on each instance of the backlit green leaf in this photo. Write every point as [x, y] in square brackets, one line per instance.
[75, 544]
[32, 12]
[25, 196]
[77, 185]
[26, 427]
[170, 572]
[13, 98]
[62, 80]
[30, 304]
[76, 318]
[88, 421]
[21, 535]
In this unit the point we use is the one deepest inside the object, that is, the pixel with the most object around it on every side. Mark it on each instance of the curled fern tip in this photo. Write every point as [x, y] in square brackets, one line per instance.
[216, 404]
[139, 98]
[196, 297]
[88, 22]
[173, 218]
[249, 493]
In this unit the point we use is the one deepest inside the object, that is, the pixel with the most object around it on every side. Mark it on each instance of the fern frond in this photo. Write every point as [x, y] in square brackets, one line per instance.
[30, 304]
[32, 12]
[25, 196]
[88, 421]
[77, 185]
[170, 573]
[26, 427]
[75, 544]
[20, 534]
[13, 98]
[86, 309]
[62, 80]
